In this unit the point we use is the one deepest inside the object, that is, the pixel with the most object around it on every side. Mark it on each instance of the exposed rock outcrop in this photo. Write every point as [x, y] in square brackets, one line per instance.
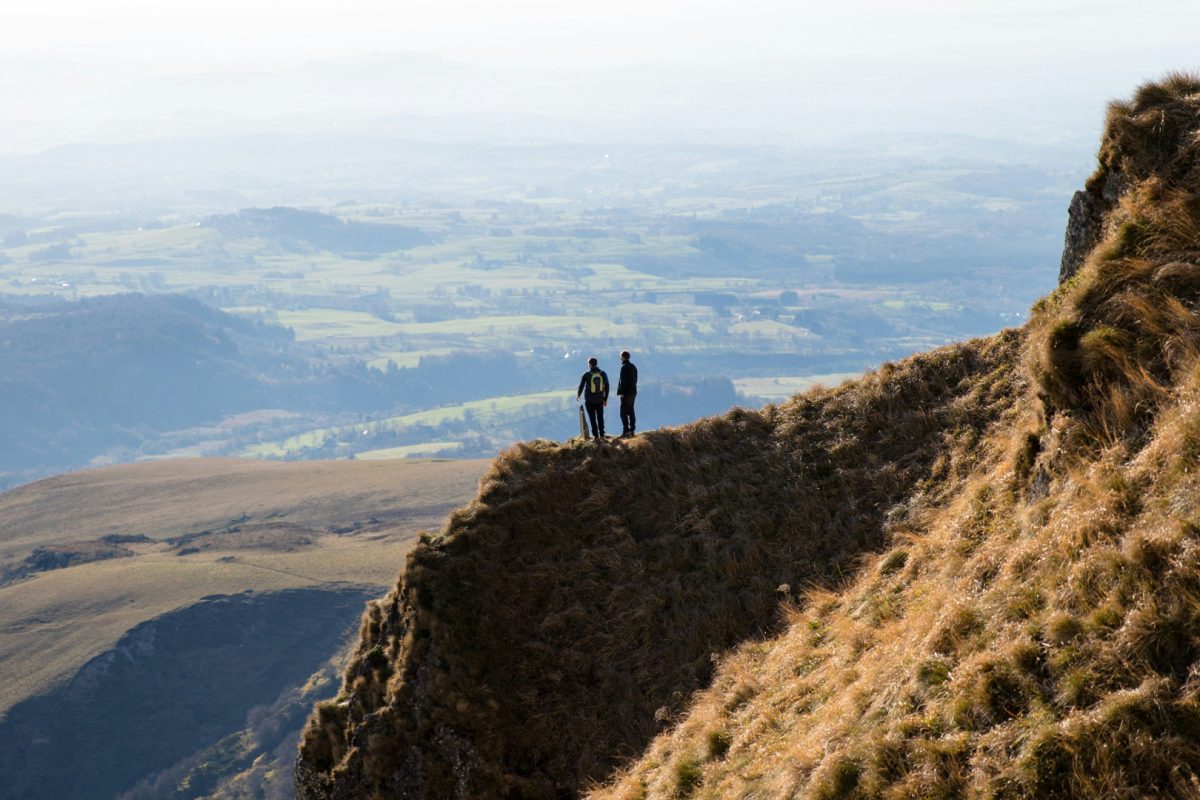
[1085, 224]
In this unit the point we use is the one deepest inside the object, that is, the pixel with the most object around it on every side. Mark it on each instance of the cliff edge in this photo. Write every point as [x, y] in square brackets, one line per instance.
[975, 572]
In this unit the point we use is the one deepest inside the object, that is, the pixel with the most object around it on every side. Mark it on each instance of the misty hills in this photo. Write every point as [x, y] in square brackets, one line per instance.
[292, 227]
[107, 379]
[117, 378]
[972, 573]
[79, 378]
[84, 379]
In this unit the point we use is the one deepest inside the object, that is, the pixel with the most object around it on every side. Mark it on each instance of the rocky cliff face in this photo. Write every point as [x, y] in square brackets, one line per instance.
[969, 549]
[1085, 223]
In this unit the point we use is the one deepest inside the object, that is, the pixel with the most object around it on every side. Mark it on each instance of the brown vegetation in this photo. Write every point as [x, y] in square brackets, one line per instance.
[1039, 636]
[581, 599]
[98, 554]
[74, 613]
[988, 558]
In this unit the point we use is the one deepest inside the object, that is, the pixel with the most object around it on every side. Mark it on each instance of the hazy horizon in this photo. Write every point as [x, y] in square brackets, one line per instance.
[138, 72]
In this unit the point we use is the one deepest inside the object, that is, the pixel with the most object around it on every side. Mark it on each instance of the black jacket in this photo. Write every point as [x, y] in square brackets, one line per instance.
[594, 386]
[627, 385]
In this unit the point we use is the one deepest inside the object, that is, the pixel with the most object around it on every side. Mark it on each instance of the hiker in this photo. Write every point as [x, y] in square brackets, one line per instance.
[627, 391]
[594, 388]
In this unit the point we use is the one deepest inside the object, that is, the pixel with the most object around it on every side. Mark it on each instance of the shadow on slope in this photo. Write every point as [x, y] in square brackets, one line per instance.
[171, 687]
[566, 615]
[1039, 635]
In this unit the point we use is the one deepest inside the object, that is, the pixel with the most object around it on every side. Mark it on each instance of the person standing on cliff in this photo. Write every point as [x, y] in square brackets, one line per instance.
[593, 386]
[627, 391]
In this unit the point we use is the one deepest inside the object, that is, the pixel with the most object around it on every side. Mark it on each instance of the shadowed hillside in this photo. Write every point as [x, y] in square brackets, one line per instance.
[165, 626]
[582, 597]
[108, 377]
[987, 558]
[1037, 636]
[187, 677]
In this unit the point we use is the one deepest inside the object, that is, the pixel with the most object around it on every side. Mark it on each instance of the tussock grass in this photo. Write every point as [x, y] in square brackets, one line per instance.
[580, 600]
[994, 549]
[1051, 605]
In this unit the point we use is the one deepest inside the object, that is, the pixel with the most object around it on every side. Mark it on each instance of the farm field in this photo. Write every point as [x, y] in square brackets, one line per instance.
[467, 304]
[490, 412]
[782, 387]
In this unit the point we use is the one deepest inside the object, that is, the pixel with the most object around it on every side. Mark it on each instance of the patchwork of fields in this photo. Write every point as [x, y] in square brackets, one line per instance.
[767, 268]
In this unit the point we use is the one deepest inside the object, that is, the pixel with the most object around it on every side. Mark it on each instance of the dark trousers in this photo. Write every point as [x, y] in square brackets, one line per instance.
[596, 416]
[628, 420]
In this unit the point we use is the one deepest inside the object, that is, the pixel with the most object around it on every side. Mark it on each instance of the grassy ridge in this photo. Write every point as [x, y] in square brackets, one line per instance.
[243, 577]
[580, 599]
[995, 547]
[68, 616]
[1037, 636]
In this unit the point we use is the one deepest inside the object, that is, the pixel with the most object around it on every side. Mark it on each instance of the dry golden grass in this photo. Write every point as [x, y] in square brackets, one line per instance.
[1037, 636]
[168, 498]
[578, 602]
[55, 621]
[990, 558]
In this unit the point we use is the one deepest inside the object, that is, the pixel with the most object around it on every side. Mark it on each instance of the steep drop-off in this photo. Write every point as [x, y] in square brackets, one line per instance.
[988, 560]
[171, 624]
[1038, 636]
[585, 594]
[187, 676]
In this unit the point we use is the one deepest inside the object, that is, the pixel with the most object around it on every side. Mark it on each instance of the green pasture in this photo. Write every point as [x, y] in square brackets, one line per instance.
[407, 359]
[491, 411]
[769, 329]
[775, 389]
[409, 451]
[314, 324]
[914, 303]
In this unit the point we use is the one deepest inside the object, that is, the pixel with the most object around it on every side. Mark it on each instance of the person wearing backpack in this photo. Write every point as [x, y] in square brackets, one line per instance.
[593, 387]
[627, 391]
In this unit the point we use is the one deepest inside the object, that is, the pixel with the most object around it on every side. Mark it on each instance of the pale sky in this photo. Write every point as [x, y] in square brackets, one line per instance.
[76, 70]
[232, 34]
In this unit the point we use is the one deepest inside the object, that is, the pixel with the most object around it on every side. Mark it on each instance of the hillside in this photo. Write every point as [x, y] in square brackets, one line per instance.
[972, 573]
[170, 623]
[118, 378]
[297, 230]
[105, 379]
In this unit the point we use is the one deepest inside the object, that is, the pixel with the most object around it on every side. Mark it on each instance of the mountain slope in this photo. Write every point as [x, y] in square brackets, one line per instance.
[589, 587]
[109, 377]
[1038, 636]
[181, 617]
[997, 545]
